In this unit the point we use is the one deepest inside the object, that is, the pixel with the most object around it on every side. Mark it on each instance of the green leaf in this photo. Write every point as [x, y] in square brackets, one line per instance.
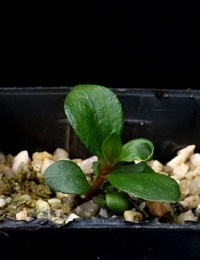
[131, 168]
[99, 201]
[94, 112]
[112, 147]
[139, 149]
[148, 186]
[67, 177]
[117, 201]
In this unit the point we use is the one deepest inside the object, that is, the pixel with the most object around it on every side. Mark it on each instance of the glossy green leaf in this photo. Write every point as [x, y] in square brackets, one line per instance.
[139, 149]
[94, 112]
[148, 186]
[117, 201]
[67, 177]
[112, 147]
[131, 168]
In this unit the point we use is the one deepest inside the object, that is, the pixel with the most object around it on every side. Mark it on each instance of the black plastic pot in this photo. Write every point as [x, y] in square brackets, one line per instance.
[33, 119]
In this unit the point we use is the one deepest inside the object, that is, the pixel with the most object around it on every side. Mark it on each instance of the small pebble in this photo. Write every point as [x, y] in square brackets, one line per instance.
[2, 202]
[132, 216]
[21, 157]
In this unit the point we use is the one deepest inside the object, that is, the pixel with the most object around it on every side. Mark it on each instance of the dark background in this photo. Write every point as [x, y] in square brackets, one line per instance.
[150, 44]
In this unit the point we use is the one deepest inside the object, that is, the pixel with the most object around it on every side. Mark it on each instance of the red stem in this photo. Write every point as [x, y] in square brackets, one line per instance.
[97, 183]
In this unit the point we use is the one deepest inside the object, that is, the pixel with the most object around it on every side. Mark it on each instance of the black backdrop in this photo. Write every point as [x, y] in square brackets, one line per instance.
[114, 43]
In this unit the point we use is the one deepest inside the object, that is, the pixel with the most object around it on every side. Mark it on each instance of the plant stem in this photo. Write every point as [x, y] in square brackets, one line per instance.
[97, 183]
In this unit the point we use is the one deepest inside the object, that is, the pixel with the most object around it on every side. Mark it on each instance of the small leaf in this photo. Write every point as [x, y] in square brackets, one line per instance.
[67, 177]
[139, 149]
[117, 201]
[99, 201]
[94, 112]
[112, 147]
[148, 186]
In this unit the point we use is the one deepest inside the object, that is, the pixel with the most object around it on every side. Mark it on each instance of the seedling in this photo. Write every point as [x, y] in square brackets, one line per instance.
[95, 114]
